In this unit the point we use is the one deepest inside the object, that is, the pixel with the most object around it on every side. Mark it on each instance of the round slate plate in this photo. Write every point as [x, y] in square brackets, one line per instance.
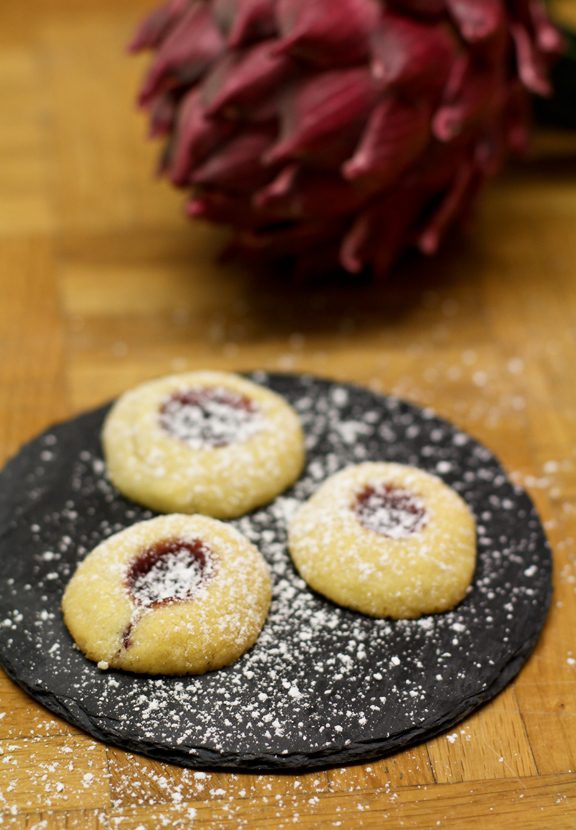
[323, 685]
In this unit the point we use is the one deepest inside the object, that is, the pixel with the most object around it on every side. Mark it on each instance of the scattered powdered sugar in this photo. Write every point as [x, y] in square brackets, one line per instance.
[322, 683]
[210, 417]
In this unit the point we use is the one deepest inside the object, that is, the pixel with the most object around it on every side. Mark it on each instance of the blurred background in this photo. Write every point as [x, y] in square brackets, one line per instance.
[94, 247]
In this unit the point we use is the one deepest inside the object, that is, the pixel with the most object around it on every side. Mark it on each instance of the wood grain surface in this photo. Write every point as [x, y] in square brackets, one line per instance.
[103, 284]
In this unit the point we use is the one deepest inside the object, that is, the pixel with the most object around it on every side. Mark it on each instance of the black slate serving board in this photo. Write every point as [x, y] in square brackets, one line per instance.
[323, 685]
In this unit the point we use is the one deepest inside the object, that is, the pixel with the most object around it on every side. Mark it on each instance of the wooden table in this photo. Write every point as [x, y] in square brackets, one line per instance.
[104, 284]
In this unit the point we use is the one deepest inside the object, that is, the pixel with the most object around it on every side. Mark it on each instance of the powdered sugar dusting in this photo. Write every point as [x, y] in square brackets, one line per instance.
[174, 575]
[322, 684]
[390, 511]
[210, 417]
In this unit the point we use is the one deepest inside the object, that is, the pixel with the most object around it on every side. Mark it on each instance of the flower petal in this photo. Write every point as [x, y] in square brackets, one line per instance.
[303, 194]
[324, 112]
[184, 55]
[396, 134]
[195, 137]
[338, 37]
[464, 183]
[477, 19]
[238, 80]
[154, 29]
[237, 166]
[244, 21]
[531, 67]
[404, 50]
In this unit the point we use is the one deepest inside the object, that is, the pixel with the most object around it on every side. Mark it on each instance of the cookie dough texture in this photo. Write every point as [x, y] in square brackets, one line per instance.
[213, 628]
[420, 570]
[152, 466]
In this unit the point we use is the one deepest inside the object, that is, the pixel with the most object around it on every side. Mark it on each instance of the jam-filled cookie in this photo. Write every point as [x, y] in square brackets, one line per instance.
[172, 595]
[203, 442]
[387, 540]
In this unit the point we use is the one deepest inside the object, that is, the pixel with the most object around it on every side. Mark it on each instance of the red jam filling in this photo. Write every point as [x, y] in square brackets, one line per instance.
[390, 510]
[209, 417]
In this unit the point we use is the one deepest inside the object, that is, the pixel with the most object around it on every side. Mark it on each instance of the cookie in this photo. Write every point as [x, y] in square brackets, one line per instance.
[176, 594]
[387, 540]
[202, 442]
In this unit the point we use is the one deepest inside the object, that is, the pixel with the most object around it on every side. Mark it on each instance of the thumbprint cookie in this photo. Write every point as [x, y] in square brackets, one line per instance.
[174, 595]
[387, 540]
[202, 442]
